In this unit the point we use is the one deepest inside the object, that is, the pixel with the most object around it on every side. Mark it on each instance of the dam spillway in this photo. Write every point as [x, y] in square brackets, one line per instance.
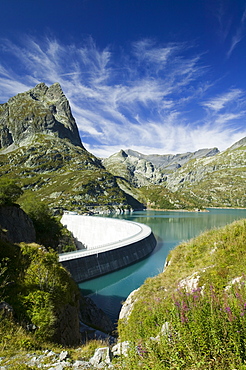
[104, 245]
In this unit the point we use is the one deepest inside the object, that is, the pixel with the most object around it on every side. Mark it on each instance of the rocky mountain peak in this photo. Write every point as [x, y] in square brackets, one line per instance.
[41, 110]
[239, 143]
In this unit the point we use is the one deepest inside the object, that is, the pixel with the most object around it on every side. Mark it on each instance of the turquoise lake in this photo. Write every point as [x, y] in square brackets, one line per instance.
[170, 229]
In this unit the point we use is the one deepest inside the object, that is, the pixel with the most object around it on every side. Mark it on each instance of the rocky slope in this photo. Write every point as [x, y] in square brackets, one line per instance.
[41, 150]
[16, 226]
[215, 181]
[200, 179]
[40, 110]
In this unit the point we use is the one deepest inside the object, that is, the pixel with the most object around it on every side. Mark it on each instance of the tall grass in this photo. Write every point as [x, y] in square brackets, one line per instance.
[179, 326]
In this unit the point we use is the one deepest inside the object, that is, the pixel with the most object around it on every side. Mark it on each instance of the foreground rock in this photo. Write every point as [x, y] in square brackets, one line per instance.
[16, 226]
[102, 359]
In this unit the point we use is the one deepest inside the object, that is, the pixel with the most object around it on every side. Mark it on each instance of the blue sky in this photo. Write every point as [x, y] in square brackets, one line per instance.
[156, 76]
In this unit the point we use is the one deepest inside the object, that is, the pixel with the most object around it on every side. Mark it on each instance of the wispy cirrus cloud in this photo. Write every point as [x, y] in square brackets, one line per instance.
[219, 102]
[144, 100]
[238, 35]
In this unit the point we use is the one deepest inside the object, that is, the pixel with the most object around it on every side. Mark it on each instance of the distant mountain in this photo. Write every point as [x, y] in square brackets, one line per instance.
[200, 179]
[141, 169]
[169, 161]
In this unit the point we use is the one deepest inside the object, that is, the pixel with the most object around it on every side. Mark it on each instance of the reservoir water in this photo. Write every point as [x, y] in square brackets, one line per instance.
[170, 229]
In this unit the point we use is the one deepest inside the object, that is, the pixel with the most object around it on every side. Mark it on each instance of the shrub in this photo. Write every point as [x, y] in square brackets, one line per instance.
[9, 192]
[48, 228]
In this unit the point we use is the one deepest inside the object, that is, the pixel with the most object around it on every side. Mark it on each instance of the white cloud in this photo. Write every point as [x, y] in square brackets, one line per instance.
[145, 101]
[239, 34]
[219, 102]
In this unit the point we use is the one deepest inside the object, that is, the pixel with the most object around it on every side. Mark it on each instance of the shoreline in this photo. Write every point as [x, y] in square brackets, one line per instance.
[176, 210]
[188, 210]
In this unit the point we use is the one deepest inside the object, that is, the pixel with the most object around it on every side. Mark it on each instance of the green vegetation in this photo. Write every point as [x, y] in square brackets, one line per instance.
[48, 228]
[193, 315]
[9, 192]
[159, 197]
[35, 284]
[63, 176]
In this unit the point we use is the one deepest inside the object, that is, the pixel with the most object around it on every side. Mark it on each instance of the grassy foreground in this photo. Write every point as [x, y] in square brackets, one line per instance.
[193, 315]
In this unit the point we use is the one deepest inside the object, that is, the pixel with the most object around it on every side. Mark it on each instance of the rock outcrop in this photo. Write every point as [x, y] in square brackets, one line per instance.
[16, 226]
[91, 315]
[67, 327]
[141, 169]
[41, 110]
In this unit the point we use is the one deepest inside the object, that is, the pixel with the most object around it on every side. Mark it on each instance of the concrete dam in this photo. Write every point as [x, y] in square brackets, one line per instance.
[104, 245]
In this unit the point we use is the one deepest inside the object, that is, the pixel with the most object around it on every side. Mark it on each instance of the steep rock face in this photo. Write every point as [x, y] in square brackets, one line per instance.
[91, 315]
[67, 325]
[136, 170]
[173, 161]
[40, 110]
[16, 226]
[141, 169]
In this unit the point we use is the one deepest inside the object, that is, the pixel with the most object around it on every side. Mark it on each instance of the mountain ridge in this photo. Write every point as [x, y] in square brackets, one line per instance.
[40, 148]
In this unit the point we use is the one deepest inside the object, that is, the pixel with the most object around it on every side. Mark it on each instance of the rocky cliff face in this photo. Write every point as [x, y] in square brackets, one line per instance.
[40, 110]
[141, 169]
[135, 169]
[15, 225]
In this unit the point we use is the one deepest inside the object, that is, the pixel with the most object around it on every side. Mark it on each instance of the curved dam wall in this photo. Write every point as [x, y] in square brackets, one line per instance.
[111, 244]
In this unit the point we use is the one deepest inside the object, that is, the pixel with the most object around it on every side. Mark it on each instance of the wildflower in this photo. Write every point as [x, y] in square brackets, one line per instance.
[184, 309]
[141, 350]
[177, 304]
[228, 310]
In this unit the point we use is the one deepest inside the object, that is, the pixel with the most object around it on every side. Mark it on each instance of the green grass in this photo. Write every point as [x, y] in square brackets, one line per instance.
[61, 175]
[206, 322]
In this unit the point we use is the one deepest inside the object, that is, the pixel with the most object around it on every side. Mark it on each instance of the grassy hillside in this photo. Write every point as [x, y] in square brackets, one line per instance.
[62, 175]
[192, 316]
[213, 181]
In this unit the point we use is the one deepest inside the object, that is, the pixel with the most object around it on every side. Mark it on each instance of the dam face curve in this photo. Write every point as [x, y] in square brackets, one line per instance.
[104, 245]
